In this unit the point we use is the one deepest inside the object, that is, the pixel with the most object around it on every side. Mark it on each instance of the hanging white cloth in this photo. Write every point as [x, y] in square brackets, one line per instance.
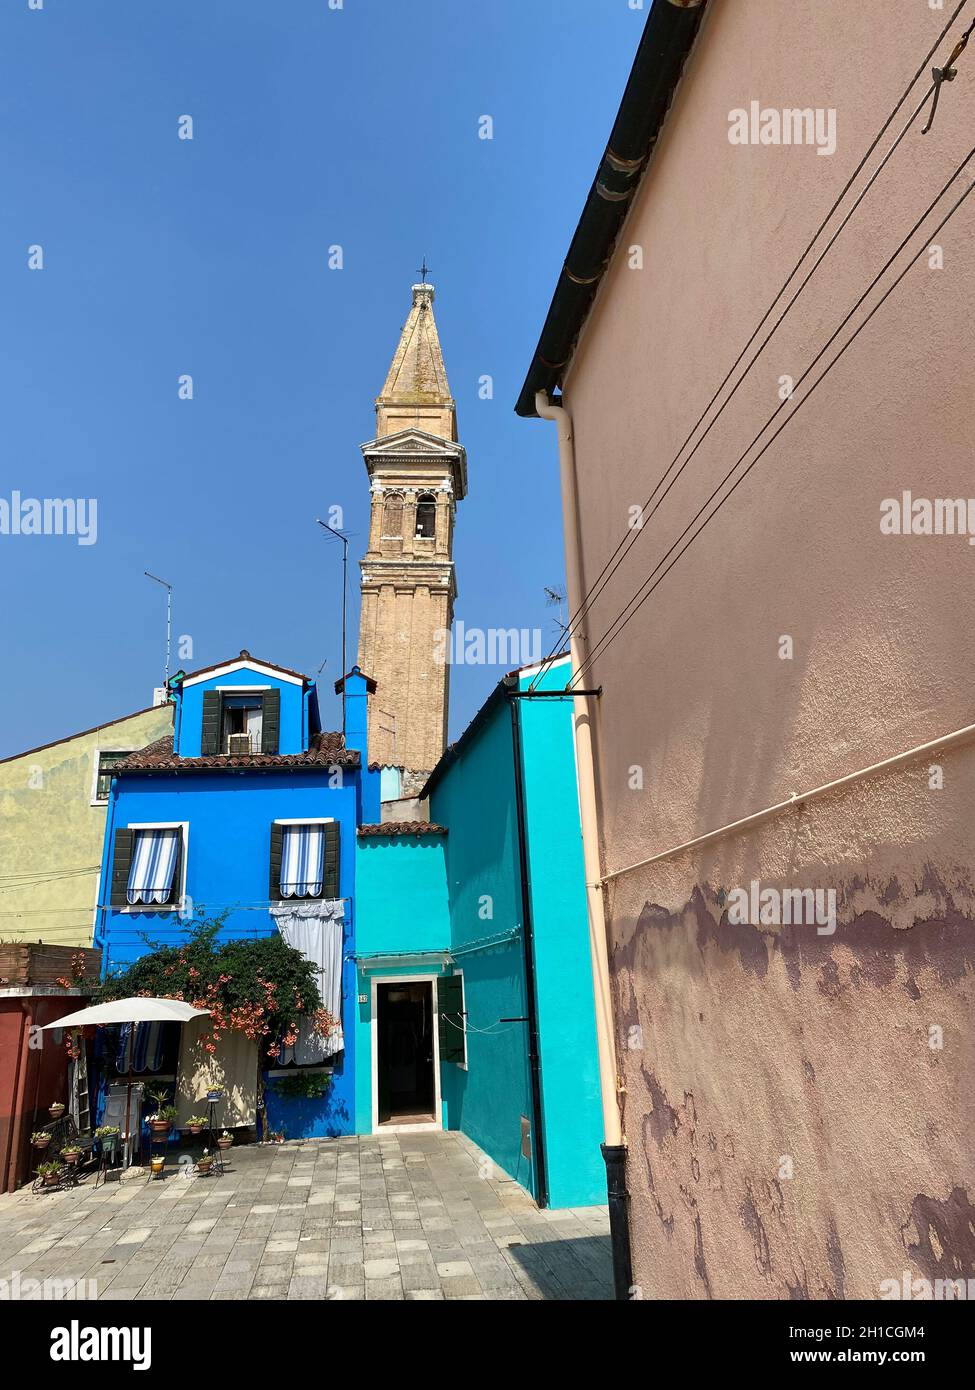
[315, 929]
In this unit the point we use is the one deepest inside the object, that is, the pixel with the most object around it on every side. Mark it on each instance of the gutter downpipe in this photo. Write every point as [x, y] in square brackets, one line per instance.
[583, 717]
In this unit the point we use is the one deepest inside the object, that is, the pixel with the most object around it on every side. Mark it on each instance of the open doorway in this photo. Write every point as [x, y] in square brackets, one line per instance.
[405, 1055]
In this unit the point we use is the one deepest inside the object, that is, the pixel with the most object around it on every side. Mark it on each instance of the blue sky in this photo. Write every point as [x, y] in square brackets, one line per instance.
[312, 127]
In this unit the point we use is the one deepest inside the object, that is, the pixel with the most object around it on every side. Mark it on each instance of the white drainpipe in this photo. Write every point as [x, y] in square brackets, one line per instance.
[583, 710]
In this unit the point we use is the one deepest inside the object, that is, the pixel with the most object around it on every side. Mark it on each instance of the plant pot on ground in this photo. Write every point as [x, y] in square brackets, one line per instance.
[204, 1163]
[49, 1173]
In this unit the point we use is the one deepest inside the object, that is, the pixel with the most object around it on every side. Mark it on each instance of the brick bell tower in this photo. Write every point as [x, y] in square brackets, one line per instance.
[417, 474]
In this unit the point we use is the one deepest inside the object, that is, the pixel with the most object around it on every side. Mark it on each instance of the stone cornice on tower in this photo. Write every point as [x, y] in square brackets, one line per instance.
[409, 453]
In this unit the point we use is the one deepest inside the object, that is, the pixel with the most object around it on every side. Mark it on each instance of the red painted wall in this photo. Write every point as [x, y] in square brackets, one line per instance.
[31, 1077]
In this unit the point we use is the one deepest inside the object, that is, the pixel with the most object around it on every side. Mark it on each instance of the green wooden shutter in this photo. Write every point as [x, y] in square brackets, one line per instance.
[271, 724]
[121, 863]
[174, 892]
[210, 740]
[330, 879]
[277, 848]
[450, 1009]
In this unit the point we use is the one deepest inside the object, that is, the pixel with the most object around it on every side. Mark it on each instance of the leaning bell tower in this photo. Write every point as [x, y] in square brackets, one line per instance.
[417, 474]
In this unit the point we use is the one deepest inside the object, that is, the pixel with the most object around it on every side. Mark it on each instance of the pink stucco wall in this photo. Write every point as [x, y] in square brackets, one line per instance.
[752, 1052]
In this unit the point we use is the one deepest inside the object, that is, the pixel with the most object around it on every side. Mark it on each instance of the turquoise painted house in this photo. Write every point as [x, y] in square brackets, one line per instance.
[474, 990]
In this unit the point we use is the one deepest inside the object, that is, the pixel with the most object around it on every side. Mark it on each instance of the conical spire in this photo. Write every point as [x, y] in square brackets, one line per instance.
[416, 391]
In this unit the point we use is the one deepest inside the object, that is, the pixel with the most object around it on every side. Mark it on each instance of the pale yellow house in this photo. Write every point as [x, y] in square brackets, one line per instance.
[52, 825]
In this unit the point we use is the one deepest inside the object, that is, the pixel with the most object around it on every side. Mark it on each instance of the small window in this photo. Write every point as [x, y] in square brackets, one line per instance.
[103, 777]
[242, 723]
[304, 860]
[393, 517]
[153, 879]
[426, 517]
[452, 1019]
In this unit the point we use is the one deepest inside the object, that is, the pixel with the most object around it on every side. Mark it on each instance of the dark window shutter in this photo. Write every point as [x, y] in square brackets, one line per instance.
[330, 879]
[277, 848]
[121, 863]
[450, 1008]
[174, 892]
[210, 741]
[271, 725]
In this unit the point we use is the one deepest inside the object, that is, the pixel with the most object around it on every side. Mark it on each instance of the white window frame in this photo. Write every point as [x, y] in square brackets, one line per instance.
[183, 826]
[306, 820]
[374, 982]
[96, 800]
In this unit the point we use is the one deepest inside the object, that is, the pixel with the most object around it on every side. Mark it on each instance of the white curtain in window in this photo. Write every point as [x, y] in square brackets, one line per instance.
[315, 929]
[254, 725]
[153, 865]
[302, 861]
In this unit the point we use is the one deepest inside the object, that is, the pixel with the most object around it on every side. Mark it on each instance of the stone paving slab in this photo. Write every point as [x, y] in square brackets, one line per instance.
[384, 1217]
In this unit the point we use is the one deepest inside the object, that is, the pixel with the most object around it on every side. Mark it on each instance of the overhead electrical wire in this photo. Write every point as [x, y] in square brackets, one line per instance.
[621, 620]
[631, 536]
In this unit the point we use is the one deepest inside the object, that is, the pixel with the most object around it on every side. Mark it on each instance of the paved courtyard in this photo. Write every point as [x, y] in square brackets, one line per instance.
[425, 1216]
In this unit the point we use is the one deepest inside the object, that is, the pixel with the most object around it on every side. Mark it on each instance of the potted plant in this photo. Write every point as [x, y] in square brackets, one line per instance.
[71, 1153]
[205, 1162]
[156, 1164]
[40, 1138]
[225, 1140]
[50, 1173]
[56, 1110]
[108, 1136]
[196, 1124]
[162, 1121]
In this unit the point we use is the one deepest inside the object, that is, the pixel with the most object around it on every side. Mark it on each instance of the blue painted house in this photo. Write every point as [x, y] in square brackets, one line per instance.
[249, 811]
[475, 1003]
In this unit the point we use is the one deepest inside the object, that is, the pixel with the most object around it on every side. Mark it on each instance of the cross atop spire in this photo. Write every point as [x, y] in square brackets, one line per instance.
[423, 271]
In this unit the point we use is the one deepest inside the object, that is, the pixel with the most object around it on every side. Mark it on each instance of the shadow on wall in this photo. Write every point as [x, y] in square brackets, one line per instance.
[302, 1117]
[577, 1270]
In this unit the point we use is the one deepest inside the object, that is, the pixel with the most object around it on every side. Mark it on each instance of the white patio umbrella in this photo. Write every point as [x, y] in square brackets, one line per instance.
[134, 1010]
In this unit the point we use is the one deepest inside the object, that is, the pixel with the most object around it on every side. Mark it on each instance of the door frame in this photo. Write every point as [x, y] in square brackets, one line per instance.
[374, 983]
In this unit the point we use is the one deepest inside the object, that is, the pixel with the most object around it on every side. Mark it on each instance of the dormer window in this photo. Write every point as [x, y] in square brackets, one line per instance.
[239, 723]
[243, 723]
[426, 517]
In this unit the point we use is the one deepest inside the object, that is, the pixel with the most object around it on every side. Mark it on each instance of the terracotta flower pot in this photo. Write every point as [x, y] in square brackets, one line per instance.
[42, 1143]
[51, 1179]
[56, 1110]
[159, 1126]
[195, 1129]
[204, 1166]
[224, 1143]
[71, 1156]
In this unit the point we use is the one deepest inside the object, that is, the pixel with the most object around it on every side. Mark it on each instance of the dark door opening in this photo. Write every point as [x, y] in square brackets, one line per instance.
[404, 1031]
